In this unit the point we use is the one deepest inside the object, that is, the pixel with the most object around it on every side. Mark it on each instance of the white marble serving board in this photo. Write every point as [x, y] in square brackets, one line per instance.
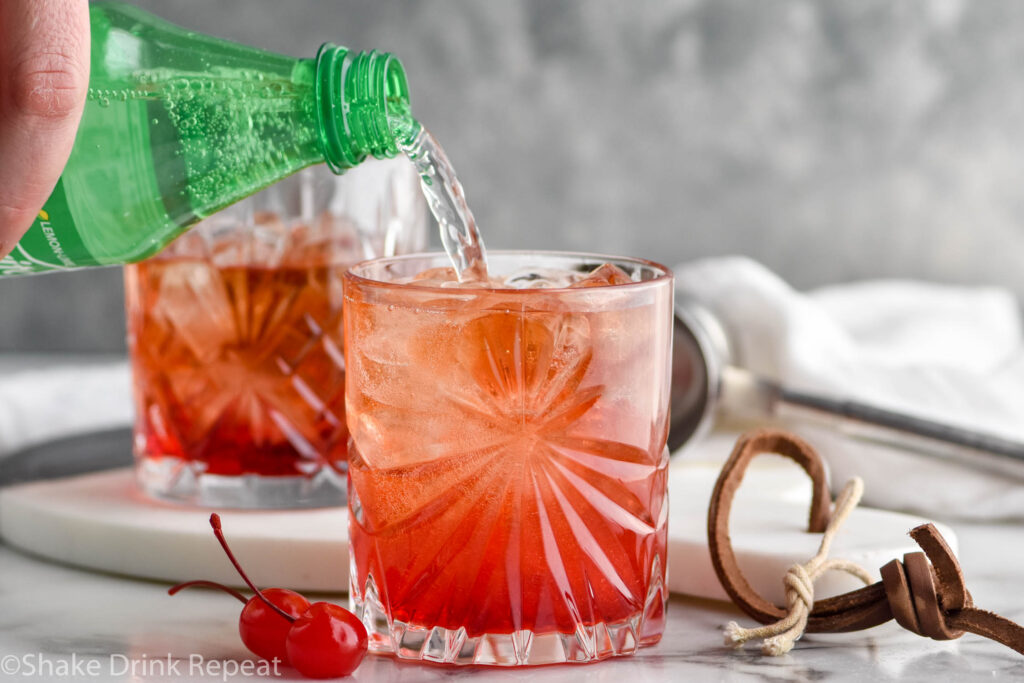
[101, 522]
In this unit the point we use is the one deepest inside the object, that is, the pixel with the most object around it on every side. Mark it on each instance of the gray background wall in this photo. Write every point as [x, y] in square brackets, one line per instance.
[831, 140]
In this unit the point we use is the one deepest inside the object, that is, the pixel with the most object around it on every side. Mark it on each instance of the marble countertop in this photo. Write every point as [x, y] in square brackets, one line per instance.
[54, 616]
[60, 623]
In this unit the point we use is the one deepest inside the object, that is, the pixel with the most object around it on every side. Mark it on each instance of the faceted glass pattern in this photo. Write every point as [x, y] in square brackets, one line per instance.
[507, 488]
[236, 337]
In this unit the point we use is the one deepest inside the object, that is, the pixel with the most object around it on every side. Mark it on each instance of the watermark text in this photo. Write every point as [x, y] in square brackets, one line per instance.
[77, 667]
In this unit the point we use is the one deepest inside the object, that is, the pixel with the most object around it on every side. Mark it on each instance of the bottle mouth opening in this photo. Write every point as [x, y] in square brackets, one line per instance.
[380, 112]
[363, 105]
[397, 111]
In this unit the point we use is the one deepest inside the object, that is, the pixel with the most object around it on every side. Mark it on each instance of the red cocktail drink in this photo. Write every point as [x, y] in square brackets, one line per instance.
[236, 339]
[507, 464]
[239, 369]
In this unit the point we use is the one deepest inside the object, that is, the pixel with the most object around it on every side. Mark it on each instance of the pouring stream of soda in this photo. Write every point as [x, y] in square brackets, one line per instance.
[447, 201]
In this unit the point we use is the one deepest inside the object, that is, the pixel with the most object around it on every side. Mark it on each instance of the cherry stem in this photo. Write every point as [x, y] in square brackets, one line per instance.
[219, 533]
[173, 590]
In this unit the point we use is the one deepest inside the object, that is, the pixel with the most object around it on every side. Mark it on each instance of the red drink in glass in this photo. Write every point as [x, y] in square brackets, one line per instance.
[507, 472]
[239, 370]
[236, 338]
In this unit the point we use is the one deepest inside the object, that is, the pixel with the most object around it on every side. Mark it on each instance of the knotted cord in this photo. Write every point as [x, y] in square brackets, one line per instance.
[780, 636]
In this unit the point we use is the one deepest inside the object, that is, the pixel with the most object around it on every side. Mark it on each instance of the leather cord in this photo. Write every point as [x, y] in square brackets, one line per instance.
[925, 593]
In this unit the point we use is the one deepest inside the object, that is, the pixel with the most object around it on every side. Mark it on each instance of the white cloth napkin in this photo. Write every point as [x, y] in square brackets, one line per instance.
[943, 352]
[60, 400]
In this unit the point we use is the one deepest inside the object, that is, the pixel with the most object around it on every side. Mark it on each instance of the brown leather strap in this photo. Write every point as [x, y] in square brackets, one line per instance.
[989, 625]
[850, 612]
[925, 593]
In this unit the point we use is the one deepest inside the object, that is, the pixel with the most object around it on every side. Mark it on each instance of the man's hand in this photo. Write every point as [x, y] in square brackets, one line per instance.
[44, 77]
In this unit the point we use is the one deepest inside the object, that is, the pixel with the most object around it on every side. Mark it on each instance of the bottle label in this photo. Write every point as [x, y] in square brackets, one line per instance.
[52, 243]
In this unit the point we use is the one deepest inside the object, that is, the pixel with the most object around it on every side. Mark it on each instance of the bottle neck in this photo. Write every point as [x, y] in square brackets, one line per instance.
[362, 105]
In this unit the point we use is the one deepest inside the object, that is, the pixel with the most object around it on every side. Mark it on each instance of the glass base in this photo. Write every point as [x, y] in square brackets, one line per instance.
[589, 643]
[173, 480]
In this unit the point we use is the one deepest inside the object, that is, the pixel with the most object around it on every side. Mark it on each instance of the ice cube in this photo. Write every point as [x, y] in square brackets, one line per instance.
[602, 276]
[433, 277]
[259, 243]
[195, 299]
[539, 278]
[193, 243]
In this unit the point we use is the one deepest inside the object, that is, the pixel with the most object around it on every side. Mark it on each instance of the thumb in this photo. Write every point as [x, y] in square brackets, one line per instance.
[44, 77]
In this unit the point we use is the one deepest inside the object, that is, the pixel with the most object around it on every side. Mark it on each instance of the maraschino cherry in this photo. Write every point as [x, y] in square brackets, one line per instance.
[320, 640]
[326, 641]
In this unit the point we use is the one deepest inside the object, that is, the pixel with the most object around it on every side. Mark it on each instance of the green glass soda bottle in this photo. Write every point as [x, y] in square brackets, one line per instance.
[178, 125]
